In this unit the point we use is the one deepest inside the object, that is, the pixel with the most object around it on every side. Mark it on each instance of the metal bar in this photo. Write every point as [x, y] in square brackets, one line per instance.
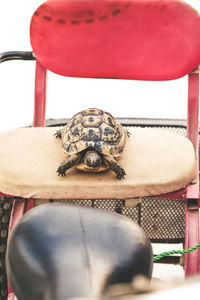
[193, 127]
[5, 195]
[191, 239]
[20, 206]
[16, 214]
[192, 194]
[193, 110]
[16, 55]
[30, 203]
[175, 260]
[145, 122]
[173, 195]
[139, 213]
[40, 96]
[17, 211]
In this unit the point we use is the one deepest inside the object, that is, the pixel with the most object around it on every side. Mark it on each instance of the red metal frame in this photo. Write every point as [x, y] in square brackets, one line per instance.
[23, 205]
[191, 192]
[40, 96]
[192, 195]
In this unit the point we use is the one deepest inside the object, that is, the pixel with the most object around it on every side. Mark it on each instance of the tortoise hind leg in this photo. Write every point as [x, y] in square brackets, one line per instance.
[67, 164]
[115, 166]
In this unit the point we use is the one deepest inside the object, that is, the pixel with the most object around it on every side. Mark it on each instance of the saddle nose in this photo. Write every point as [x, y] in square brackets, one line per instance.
[58, 251]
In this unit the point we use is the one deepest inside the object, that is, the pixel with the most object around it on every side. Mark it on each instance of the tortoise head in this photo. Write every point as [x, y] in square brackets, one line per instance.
[93, 159]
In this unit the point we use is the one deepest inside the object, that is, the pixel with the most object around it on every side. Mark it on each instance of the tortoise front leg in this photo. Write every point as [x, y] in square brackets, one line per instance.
[115, 166]
[70, 162]
[58, 133]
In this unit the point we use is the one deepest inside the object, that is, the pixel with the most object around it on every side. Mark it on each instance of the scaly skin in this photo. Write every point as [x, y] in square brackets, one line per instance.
[115, 166]
[67, 164]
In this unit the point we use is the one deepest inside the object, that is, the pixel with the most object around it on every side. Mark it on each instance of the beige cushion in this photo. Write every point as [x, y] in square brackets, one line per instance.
[156, 162]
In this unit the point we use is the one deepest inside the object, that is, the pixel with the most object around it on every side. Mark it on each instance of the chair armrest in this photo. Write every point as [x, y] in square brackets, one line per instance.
[13, 55]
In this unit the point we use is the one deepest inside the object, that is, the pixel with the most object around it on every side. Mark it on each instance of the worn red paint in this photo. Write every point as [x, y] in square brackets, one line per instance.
[117, 39]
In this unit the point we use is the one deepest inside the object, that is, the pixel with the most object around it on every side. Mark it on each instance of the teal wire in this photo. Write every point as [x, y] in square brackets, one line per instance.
[161, 255]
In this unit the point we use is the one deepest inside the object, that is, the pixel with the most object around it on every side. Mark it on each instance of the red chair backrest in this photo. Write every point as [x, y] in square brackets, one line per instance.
[128, 39]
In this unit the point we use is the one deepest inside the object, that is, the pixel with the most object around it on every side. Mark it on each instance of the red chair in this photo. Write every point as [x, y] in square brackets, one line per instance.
[139, 40]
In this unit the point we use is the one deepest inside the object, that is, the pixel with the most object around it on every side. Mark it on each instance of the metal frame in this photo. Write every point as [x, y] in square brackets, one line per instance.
[17, 55]
[40, 96]
[191, 192]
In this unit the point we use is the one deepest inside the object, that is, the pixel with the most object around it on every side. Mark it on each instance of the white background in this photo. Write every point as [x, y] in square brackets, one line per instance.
[66, 96]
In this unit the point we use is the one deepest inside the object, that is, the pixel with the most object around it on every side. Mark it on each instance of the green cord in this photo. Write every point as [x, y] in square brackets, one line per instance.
[176, 252]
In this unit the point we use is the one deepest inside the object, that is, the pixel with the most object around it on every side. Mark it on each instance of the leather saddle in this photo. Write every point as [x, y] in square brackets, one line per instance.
[59, 251]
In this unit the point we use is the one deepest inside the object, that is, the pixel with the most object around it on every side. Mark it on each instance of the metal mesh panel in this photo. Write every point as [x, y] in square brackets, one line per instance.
[106, 204]
[161, 219]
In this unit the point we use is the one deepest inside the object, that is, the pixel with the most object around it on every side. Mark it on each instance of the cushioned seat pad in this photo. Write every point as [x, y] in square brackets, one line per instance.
[156, 162]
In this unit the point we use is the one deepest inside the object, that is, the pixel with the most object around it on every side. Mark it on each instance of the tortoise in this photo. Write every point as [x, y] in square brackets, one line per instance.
[93, 140]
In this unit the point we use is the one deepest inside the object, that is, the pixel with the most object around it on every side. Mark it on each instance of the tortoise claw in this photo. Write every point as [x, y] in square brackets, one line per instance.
[61, 172]
[121, 173]
[57, 134]
[129, 133]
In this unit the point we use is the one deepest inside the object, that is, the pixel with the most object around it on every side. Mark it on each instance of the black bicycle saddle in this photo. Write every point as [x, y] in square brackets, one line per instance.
[59, 251]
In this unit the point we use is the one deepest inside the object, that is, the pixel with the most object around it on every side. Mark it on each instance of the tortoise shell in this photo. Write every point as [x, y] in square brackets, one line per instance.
[94, 128]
